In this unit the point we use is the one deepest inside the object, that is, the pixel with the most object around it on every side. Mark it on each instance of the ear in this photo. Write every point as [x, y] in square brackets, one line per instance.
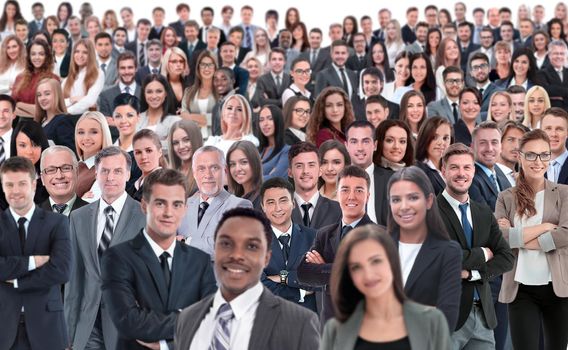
[290, 172]
[144, 206]
[430, 201]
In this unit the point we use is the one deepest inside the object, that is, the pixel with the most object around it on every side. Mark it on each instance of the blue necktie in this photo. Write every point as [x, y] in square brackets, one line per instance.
[494, 182]
[468, 233]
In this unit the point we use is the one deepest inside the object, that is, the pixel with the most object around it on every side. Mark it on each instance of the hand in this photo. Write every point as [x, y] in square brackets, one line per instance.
[504, 223]
[465, 274]
[10, 281]
[274, 278]
[40, 260]
[549, 226]
[110, 121]
[314, 257]
[75, 99]
[533, 245]
[489, 253]
[153, 346]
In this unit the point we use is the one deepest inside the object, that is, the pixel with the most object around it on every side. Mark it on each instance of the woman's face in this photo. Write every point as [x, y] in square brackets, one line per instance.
[207, 68]
[555, 30]
[253, 69]
[12, 50]
[300, 115]
[419, 70]
[500, 108]
[370, 269]
[391, 31]
[332, 164]
[50, 26]
[62, 14]
[37, 56]
[334, 109]
[539, 41]
[126, 119]
[260, 38]
[378, 54]
[434, 39]
[170, 38]
[45, 97]
[59, 44]
[301, 73]
[298, 33]
[469, 107]
[292, 16]
[89, 137]
[10, 11]
[536, 169]
[108, 20]
[93, 29]
[147, 155]
[402, 69]
[81, 56]
[523, 12]
[440, 143]
[155, 94]
[233, 114]
[26, 148]
[521, 66]
[414, 110]
[348, 25]
[239, 167]
[442, 19]
[409, 205]
[181, 144]
[266, 123]
[221, 82]
[176, 65]
[536, 103]
[503, 56]
[394, 145]
[452, 51]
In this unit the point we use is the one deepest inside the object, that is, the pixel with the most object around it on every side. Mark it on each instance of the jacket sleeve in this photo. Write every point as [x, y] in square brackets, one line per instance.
[503, 257]
[309, 332]
[449, 288]
[315, 275]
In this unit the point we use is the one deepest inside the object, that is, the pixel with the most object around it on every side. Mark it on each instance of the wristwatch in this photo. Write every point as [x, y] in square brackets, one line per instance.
[283, 276]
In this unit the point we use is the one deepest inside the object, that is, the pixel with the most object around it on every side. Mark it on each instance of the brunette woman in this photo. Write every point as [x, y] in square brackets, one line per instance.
[184, 138]
[245, 172]
[333, 156]
[331, 115]
[434, 137]
[297, 112]
[272, 148]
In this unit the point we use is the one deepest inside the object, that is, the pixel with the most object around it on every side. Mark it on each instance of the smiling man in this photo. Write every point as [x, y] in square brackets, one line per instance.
[243, 314]
[338, 74]
[555, 124]
[147, 280]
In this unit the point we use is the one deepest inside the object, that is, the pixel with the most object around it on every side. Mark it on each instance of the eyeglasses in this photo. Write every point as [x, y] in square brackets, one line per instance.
[479, 67]
[301, 112]
[176, 61]
[207, 65]
[303, 71]
[454, 81]
[531, 156]
[52, 170]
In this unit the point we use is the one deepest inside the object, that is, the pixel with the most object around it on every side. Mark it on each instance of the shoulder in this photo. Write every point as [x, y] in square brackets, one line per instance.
[84, 211]
[189, 313]
[197, 255]
[424, 312]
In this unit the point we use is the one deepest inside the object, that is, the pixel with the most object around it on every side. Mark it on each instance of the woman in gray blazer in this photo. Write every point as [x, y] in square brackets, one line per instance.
[367, 294]
[533, 217]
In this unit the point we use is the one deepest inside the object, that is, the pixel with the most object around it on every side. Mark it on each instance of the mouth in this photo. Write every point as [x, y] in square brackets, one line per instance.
[235, 270]
[370, 284]
[406, 217]
[61, 185]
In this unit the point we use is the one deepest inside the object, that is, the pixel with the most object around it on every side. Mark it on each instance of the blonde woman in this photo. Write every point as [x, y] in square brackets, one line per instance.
[261, 49]
[536, 102]
[12, 62]
[500, 107]
[110, 21]
[393, 41]
[175, 67]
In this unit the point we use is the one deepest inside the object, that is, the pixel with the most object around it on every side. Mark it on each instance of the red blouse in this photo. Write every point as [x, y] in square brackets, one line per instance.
[27, 93]
[329, 133]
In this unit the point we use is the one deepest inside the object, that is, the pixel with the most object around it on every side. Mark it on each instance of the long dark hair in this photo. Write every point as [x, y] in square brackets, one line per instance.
[45, 71]
[278, 119]
[34, 131]
[427, 134]
[4, 18]
[253, 158]
[429, 86]
[387, 70]
[344, 295]
[434, 222]
[380, 134]
[531, 73]
[169, 106]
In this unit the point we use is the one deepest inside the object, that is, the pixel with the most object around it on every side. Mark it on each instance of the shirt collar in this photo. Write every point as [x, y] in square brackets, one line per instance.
[117, 205]
[89, 162]
[279, 233]
[7, 137]
[353, 224]
[28, 215]
[454, 203]
[313, 200]
[156, 248]
[69, 202]
[486, 170]
[561, 159]
[132, 86]
[241, 304]
[370, 169]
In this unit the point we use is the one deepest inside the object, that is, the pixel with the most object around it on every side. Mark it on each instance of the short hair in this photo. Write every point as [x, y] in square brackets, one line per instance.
[375, 72]
[271, 13]
[156, 9]
[301, 147]
[166, 177]
[227, 8]
[558, 43]
[21, 22]
[207, 8]
[143, 22]
[478, 56]
[226, 43]
[127, 100]
[360, 124]
[55, 149]
[9, 99]
[464, 24]
[337, 43]
[377, 99]
[247, 7]
[478, 9]
[191, 23]
[451, 69]
[119, 29]
[251, 214]
[126, 55]
[411, 9]
[37, 4]
[18, 164]
[276, 182]
[207, 149]
[316, 30]
[182, 6]
[154, 42]
[504, 9]
[556, 112]
[127, 9]
[507, 125]
[237, 29]
[60, 31]
[354, 171]
[507, 23]
[112, 151]
[103, 35]
[486, 125]
[277, 50]
[297, 60]
[422, 24]
[147, 134]
[472, 90]
[516, 89]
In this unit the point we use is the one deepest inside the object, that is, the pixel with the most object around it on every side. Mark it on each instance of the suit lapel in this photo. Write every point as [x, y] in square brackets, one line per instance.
[180, 264]
[551, 202]
[295, 243]
[143, 249]
[34, 230]
[211, 210]
[12, 232]
[480, 226]
[277, 255]
[563, 176]
[452, 219]
[296, 215]
[423, 261]
[321, 207]
[267, 313]
[123, 221]
[92, 235]
[486, 179]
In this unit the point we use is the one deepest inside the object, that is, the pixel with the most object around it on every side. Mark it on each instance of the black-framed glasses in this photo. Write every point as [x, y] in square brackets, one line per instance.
[531, 156]
[481, 66]
[207, 65]
[454, 81]
[303, 71]
[301, 112]
[65, 168]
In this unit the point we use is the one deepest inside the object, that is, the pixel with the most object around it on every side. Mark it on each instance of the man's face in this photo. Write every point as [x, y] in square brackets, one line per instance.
[518, 106]
[352, 195]
[431, 17]
[487, 146]
[212, 39]
[22, 32]
[459, 10]
[449, 32]
[453, 84]
[339, 55]
[7, 115]
[480, 71]
[61, 184]
[209, 173]
[361, 146]
[557, 130]
[277, 62]
[19, 190]
[75, 27]
[143, 31]
[207, 17]
[277, 204]
[459, 171]
[493, 17]
[371, 85]
[246, 16]
[478, 18]
[38, 12]
[511, 145]
[158, 18]
[507, 33]
[315, 40]
[335, 33]
[367, 25]
[384, 18]
[221, 82]
[112, 175]
[126, 71]
[412, 18]
[119, 38]
[359, 44]
[376, 113]
[241, 254]
[285, 39]
[305, 171]
[164, 211]
[557, 56]
[505, 16]
[183, 14]
[228, 55]
[538, 14]
[104, 48]
[236, 38]
[486, 39]
[421, 34]
[464, 33]
[525, 28]
[155, 54]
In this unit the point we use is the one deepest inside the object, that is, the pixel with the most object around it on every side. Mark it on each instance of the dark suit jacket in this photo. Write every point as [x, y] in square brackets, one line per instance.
[34, 28]
[482, 190]
[465, 53]
[323, 60]
[359, 108]
[487, 93]
[64, 68]
[134, 288]
[302, 239]
[132, 46]
[329, 77]
[142, 73]
[179, 27]
[290, 139]
[355, 64]
[198, 48]
[486, 233]
[61, 130]
[39, 290]
[381, 177]
[437, 181]
[435, 277]
[76, 205]
[241, 55]
[222, 37]
[241, 79]
[155, 33]
[266, 85]
[278, 324]
[557, 89]
[317, 275]
[326, 212]
[563, 176]
[408, 35]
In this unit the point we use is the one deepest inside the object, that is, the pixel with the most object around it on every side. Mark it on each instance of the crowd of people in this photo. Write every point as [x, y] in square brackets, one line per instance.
[216, 184]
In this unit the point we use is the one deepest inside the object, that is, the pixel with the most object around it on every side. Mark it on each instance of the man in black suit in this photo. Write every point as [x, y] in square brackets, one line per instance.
[148, 279]
[126, 67]
[139, 46]
[507, 33]
[207, 15]
[7, 117]
[191, 43]
[154, 65]
[486, 254]
[37, 24]
[555, 75]
[158, 15]
[358, 61]
[353, 194]
[319, 57]
[271, 85]
[58, 166]
[236, 35]
[385, 16]
[555, 124]
[35, 260]
[408, 29]
[290, 243]
[338, 75]
[373, 82]
[311, 209]
[526, 28]
[479, 67]
[182, 11]
[227, 53]
[465, 43]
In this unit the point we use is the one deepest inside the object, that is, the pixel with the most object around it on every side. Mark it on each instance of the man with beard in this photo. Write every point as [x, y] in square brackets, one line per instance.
[479, 67]
[448, 107]
[517, 94]
[126, 67]
[510, 141]
[555, 124]
[285, 42]
[338, 75]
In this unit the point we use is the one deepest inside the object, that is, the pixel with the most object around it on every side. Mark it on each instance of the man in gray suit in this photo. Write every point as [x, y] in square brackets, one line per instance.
[242, 249]
[479, 65]
[448, 107]
[205, 208]
[420, 43]
[113, 219]
[105, 61]
[338, 75]
[319, 57]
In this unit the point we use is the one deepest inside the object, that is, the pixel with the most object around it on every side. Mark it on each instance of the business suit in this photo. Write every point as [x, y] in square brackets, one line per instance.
[323, 60]
[61, 130]
[486, 96]
[134, 47]
[426, 328]
[222, 37]
[198, 47]
[317, 275]
[442, 108]
[241, 54]
[179, 27]
[557, 89]
[486, 233]
[415, 47]
[326, 212]
[156, 33]
[482, 189]
[143, 72]
[105, 102]
[34, 27]
[434, 176]
[329, 77]
[381, 177]
[355, 64]
[563, 176]
[360, 113]
[241, 79]
[251, 28]
[64, 67]
[268, 91]
[111, 73]
[278, 324]
[202, 236]
[79, 203]
[465, 53]
[140, 303]
[39, 290]
[83, 294]
[408, 35]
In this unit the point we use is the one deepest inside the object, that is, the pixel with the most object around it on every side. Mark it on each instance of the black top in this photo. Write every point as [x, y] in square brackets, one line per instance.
[400, 344]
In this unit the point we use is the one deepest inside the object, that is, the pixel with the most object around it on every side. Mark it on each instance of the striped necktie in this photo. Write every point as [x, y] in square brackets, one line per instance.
[2, 152]
[222, 334]
[108, 230]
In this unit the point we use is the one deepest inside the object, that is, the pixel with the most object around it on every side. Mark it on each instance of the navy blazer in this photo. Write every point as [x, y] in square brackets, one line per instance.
[482, 190]
[301, 241]
[269, 92]
[61, 130]
[326, 212]
[435, 178]
[277, 165]
[241, 79]
[138, 299]
[39, 290]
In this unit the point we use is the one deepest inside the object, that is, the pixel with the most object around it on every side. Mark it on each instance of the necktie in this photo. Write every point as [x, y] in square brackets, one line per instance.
[141, 55]
[107, 231]
[22, 232]
[494, 182]
[166, 267]
[103, 67]
[284, 239]
[455, 111]
[154, 70]
[560, 75]
[314, 56]
[248, 37]
[344, 230]
[344, 80]
[59, 208]
[206, 29]
[554, 174]
[481, 92]
[362, 60]
[201, 211]
[222, 334]
[278, 83]
[306, 219]
[468, 233]
[2, 153]
[190, 49]
[127, 89]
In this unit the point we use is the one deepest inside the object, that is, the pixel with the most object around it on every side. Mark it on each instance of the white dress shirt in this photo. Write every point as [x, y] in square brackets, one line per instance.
[28, 216]
[313, 201]
[69, 203]
[371, 203]
[7, 138]
[408, 253]
[279, 233]
[88, 98]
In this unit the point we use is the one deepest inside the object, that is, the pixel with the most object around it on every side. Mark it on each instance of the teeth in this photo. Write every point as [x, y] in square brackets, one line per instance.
[235, 270]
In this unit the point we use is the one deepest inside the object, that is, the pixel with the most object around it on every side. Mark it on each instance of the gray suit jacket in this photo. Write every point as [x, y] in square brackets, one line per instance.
[426, 326]
[278, 324]
[442, 108]
[105, 102]
[415, 47]
[111, 73]
[83, 292]
[329, 77]
[202, 237]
